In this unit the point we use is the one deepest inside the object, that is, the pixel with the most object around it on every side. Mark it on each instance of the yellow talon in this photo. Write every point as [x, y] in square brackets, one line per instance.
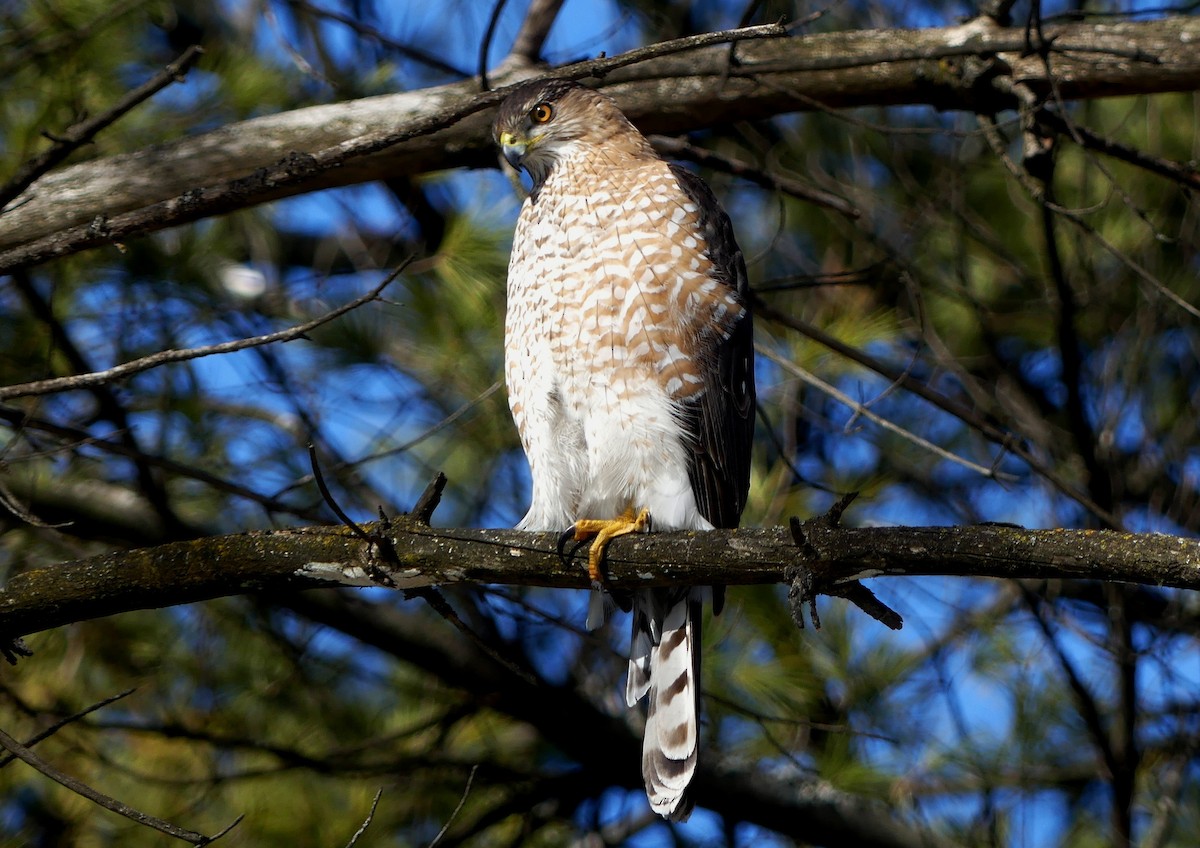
[605, 530]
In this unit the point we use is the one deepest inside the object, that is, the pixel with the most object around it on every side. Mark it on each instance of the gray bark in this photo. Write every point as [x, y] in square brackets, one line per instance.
[973, 66]
[311, 557]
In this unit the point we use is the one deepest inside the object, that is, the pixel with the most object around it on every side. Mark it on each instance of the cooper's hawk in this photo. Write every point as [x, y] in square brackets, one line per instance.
[630, 371]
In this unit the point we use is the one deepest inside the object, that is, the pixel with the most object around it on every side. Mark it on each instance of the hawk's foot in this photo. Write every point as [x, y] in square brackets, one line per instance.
[605, 530]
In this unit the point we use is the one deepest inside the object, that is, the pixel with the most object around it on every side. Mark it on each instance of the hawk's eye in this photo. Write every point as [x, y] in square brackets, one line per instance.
[541, 113]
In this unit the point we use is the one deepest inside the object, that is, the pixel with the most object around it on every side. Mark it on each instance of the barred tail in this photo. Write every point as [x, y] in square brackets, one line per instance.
[664, 662]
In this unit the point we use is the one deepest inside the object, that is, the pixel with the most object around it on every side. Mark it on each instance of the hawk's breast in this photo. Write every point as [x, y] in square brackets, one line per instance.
[610, 286]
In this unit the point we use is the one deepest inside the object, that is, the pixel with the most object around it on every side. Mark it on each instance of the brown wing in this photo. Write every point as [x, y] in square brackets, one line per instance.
[721, 423]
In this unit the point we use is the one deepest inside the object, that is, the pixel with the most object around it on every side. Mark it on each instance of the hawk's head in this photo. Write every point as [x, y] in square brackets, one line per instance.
[542, 121]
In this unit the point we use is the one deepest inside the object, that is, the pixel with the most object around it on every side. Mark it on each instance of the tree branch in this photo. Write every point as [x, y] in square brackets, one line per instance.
[83, 132]
[664, 88]
[286, 170]
[55, 385]
[19, 420]
[677, 148]
[540, 16]
[312, 557]
[79, 788]
[863, 411]
[61, 723]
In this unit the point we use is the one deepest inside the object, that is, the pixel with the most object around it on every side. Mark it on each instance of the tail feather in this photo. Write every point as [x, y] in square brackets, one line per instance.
[665, 663]
[640, 648]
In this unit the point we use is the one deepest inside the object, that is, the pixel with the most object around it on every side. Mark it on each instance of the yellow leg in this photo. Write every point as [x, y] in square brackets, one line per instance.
[605, 530]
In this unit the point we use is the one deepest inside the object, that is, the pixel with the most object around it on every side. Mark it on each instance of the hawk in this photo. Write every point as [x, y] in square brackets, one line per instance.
[630, 369]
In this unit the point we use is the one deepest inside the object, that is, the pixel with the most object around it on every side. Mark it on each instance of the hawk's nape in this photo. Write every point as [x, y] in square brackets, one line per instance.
[630, 370]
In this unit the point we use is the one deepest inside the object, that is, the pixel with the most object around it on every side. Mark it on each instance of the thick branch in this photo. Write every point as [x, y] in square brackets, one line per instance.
[201, 569]
[281, 155]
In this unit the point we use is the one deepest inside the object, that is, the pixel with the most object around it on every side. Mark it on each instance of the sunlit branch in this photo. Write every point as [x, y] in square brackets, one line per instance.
[834, 68]
[297, 169]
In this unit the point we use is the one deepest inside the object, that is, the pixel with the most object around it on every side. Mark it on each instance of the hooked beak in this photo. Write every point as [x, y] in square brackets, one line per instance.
[513, 150]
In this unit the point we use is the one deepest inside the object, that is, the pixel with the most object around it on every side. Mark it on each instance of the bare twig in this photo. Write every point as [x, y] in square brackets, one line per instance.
[12, 504]
[539, 17]
[110, 407]
[154, 360]
[803, 589]
[224, 830]
[367, 821]
[401, 448]
[489, 31]
[1089, 709]
[453, 815]
[82, 789]
[1183, 173]
[83, 132]
[681, 149]
[1155, 284]
[422, 510]
[438, 427]
[977, 422]
[442, 607]
[859, 409]
[298, 59]
[406, 50]
[58, 725]
[600, 67]
[1036, 194]
[1039, 167]
[19, 419]
[863, 598]
[333, 505]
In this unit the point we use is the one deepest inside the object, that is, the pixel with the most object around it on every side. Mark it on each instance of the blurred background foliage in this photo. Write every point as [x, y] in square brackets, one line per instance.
[1004, 714]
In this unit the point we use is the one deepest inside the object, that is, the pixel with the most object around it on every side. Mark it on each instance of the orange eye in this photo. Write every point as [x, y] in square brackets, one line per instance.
[541, 113]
